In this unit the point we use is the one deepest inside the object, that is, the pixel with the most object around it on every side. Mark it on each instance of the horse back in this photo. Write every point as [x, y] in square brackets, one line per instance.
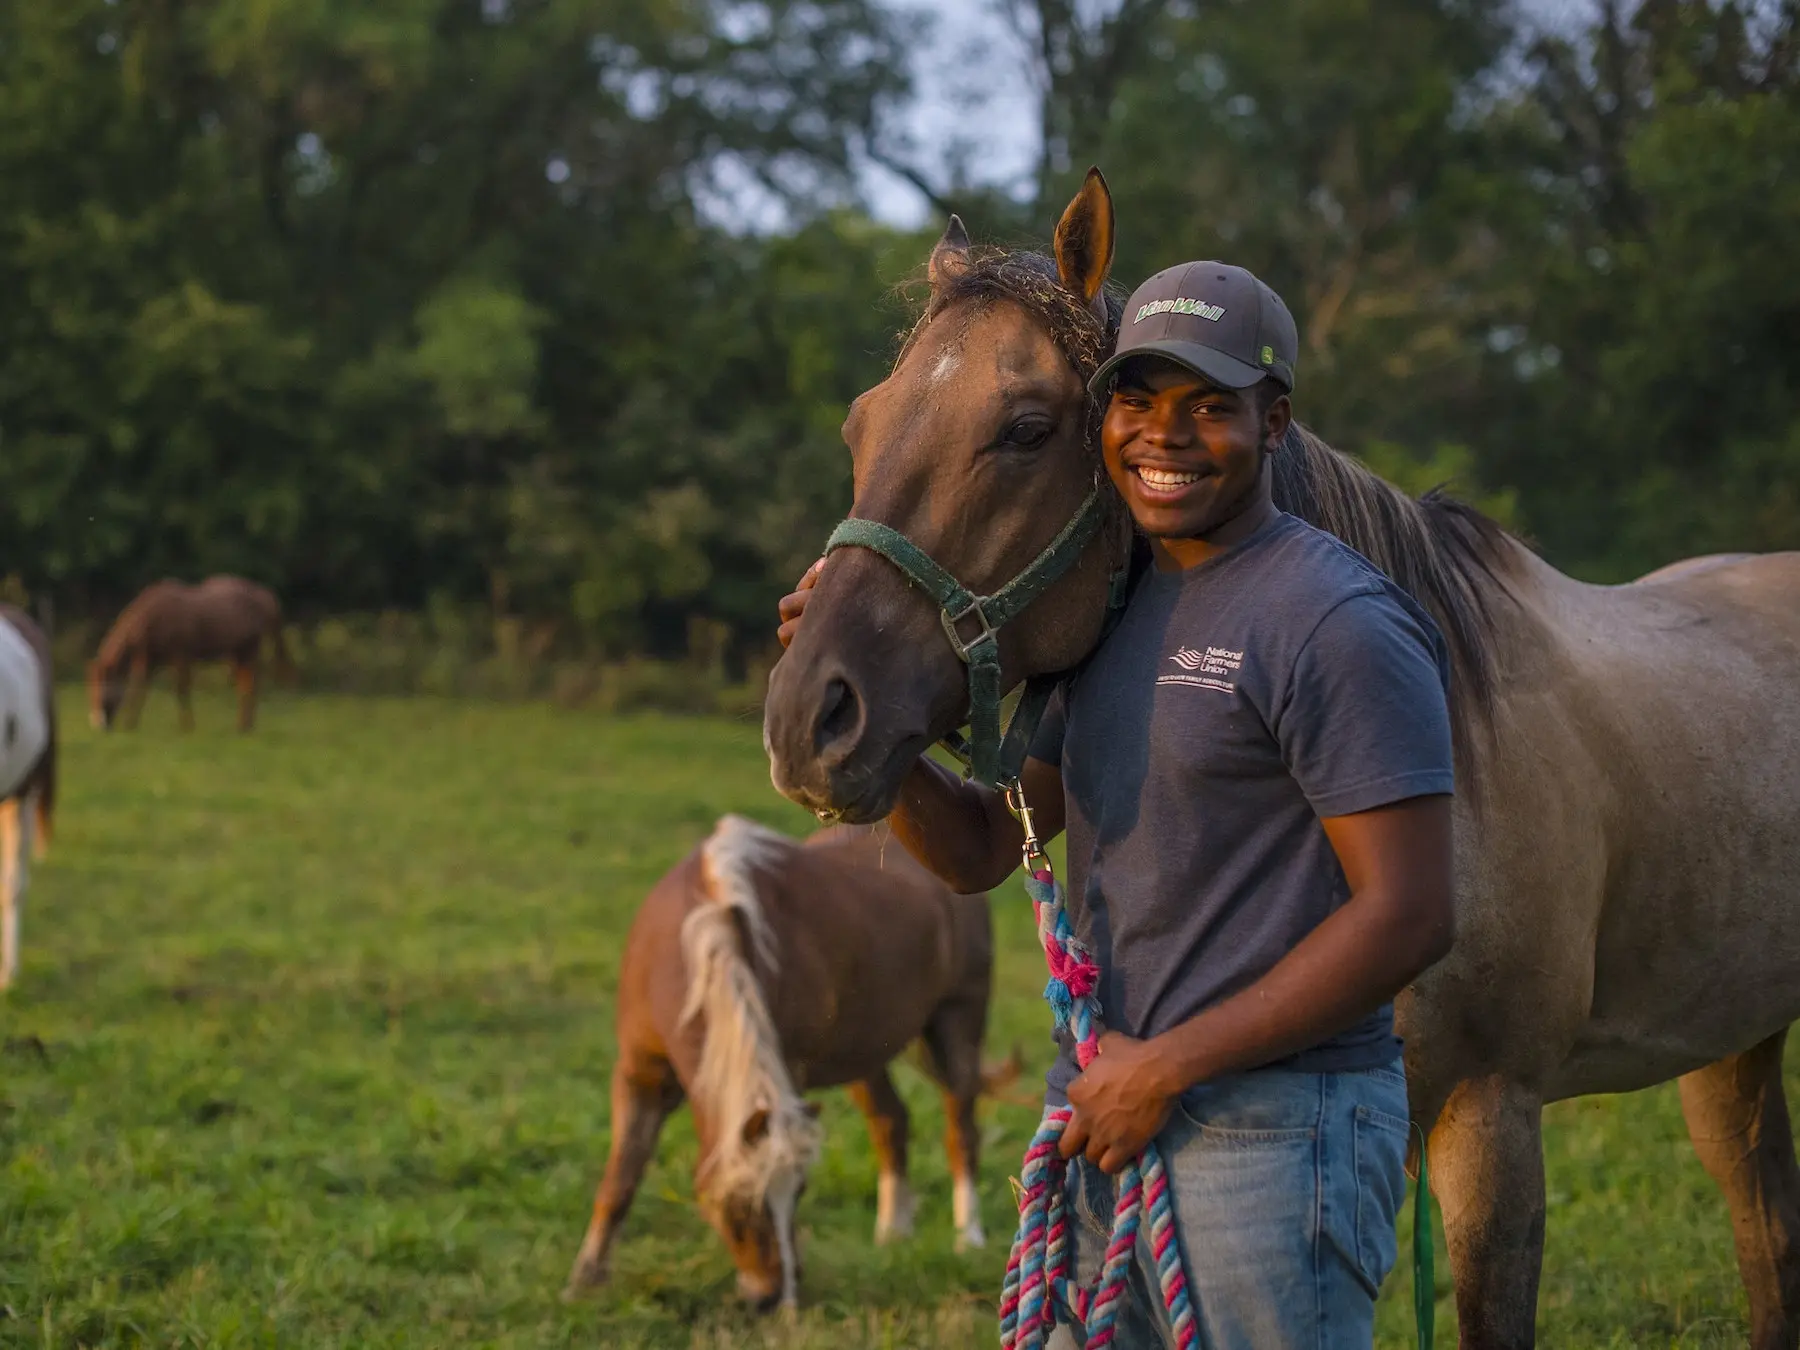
[861, 946]
[224, 617]
[871, 946]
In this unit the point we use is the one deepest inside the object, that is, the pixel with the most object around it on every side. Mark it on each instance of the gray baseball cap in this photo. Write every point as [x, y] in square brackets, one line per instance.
[1217, 320]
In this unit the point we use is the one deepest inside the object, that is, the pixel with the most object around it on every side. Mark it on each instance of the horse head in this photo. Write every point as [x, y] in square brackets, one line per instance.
[106, 691]
[978, 451]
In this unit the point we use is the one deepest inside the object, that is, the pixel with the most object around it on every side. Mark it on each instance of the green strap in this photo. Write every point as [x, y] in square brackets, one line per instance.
[988, 756]
[1424, 1254]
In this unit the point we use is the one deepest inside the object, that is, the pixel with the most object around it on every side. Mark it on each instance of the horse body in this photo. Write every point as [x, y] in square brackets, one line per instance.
[1703, 842]
[170, 623]
[760, 968]
[27, 768]
[1635, 823]
[1628, 807]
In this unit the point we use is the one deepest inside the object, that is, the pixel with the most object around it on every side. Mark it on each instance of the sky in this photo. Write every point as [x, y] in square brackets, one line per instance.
[974, 80]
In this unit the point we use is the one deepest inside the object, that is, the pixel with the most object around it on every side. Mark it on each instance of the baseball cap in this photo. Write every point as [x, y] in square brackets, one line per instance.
[1217, 320]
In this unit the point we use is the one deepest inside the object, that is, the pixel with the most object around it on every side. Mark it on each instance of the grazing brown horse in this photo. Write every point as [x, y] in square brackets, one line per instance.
[27, 768]
[759, 968]
[1628, 763]
[176, 625]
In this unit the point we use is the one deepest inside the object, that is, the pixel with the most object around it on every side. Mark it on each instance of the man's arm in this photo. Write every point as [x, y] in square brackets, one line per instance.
[1398, 921]
[963, 831]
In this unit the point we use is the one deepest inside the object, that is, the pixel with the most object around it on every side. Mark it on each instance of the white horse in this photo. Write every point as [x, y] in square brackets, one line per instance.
[27, 768]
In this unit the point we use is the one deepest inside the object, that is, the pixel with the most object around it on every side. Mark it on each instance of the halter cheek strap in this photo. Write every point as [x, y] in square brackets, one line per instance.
[991, 758]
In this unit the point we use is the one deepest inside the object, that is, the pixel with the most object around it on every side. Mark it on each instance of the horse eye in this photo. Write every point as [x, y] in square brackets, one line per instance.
[1027, 433]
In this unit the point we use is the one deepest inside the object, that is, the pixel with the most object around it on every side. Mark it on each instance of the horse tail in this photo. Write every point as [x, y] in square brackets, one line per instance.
[766, 1138]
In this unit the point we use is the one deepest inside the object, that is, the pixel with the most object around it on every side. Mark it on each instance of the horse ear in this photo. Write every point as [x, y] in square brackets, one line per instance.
[1084, 242]
[756, 1126]
[950, 255]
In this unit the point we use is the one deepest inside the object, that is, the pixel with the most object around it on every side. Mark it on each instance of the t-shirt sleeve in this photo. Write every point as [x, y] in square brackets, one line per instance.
[1047, 741]
[1367, 720]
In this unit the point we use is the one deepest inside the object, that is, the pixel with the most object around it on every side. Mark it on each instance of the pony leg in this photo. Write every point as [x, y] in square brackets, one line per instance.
[1737, 1117]
[244, 673]
[15, 855]
[1487, 1170]
[642, 1098]
[184, 689]
[953, 1042]
[886, 1113]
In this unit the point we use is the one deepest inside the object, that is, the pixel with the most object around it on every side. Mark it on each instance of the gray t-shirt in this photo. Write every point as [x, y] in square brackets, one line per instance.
[1234, 705]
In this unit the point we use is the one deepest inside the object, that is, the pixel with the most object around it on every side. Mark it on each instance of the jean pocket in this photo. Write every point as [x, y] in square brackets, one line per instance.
[1380, 1149]
[1394, 1077]
[1254, 1111]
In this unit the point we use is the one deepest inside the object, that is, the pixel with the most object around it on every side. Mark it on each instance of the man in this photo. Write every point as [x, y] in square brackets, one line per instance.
[1255, 773]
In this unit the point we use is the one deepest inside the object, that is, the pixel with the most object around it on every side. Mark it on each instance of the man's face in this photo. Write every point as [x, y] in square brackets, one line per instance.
[1184, 454]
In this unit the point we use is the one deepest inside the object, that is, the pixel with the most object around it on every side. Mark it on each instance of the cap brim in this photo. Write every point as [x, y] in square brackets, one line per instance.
[1210, 364]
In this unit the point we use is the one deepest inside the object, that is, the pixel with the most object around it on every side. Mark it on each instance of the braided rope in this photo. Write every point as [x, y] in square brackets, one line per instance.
[1040, 1271]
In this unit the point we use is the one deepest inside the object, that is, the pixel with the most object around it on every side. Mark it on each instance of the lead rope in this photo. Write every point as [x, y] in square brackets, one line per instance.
[1040, 1272]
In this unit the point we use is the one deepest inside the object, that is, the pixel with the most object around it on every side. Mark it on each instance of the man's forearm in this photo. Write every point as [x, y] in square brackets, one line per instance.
[959, 830]
[1357, 960]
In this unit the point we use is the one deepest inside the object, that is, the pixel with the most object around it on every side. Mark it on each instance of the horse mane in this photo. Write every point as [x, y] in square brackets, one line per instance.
[1443, 552]
[742, 1071]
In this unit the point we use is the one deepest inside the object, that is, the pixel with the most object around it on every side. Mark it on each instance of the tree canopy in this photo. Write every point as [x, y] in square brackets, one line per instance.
[402, 300]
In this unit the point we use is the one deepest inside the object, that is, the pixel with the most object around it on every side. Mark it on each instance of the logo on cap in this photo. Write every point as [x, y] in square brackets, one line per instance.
[1181, 306]
[1268, 356]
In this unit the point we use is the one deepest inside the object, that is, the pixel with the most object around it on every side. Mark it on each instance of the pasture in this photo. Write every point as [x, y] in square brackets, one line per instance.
[311, 1041]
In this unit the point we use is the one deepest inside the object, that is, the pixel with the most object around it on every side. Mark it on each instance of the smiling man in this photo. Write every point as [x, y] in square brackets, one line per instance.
[1254, 770]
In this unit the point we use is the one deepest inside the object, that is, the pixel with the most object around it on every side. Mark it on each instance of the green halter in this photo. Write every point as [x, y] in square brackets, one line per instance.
[990, 758]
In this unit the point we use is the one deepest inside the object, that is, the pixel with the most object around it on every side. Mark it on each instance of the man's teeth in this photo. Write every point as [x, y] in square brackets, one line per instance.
[1163, 479]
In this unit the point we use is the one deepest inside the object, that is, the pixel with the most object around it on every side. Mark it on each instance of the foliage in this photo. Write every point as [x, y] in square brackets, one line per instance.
[377, 302]
[432, 302]
[1563, 253]
[343, 1081]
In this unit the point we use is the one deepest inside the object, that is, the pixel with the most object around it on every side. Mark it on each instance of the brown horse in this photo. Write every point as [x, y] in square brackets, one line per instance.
[172, 624]
[1628, 809]
[27, 768]
[759, 968]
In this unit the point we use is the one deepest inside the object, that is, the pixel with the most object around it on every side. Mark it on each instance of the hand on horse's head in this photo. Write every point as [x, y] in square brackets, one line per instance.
[792, 606]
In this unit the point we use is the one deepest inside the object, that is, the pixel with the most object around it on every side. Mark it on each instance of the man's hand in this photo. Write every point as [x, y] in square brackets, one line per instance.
[1119, 1103]
[792, 606]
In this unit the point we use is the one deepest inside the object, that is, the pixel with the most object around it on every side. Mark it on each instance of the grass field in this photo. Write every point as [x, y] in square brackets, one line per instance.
[311, 1043]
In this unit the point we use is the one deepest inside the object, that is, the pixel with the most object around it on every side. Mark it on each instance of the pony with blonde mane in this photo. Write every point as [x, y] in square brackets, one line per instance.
[760, 968]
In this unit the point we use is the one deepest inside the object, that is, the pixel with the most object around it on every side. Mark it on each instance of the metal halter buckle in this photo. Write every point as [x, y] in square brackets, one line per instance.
[988, 631]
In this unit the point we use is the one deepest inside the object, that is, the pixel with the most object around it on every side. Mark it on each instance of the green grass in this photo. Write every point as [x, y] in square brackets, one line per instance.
[311, 1043]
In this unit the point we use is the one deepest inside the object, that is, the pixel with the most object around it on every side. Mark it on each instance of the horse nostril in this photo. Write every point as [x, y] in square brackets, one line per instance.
[840, 722]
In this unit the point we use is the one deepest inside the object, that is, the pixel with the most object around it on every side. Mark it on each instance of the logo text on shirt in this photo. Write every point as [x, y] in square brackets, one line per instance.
[1210, 669]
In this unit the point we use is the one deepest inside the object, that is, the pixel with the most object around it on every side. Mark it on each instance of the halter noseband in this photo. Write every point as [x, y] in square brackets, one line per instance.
[989, 757]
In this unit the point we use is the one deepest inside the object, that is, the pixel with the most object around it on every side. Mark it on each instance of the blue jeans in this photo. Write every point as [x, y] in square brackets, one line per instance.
[1285, 1188]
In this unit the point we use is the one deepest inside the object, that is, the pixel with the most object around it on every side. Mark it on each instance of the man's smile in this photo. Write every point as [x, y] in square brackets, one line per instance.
[1159, 482]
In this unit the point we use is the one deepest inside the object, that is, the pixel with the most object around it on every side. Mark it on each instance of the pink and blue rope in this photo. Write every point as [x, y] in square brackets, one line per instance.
[1040, 1272]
